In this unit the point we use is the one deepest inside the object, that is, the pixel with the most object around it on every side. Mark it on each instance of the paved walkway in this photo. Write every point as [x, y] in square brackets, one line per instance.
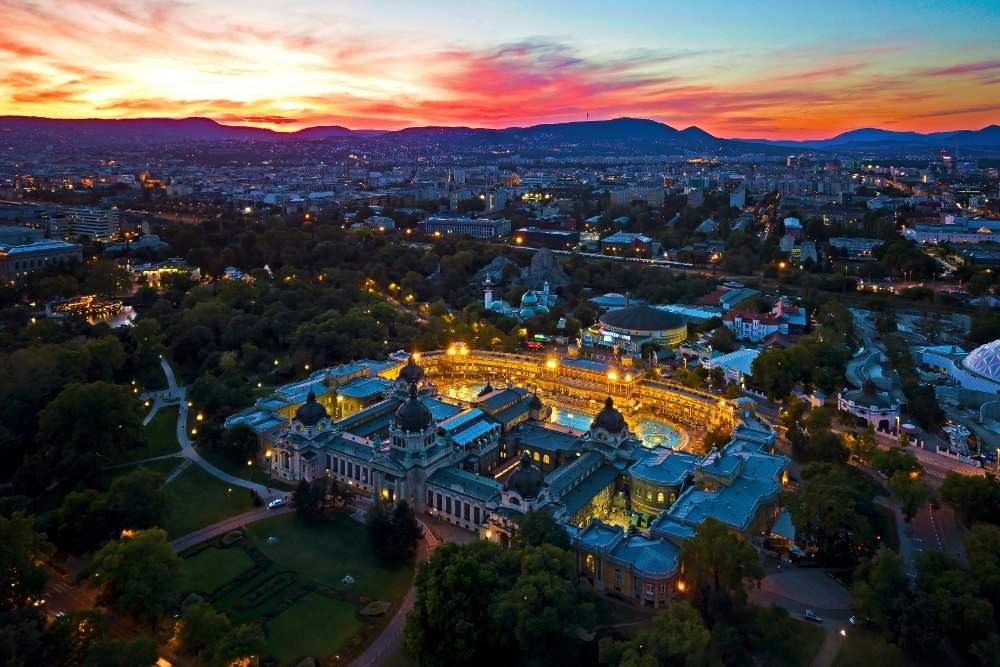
[830, 648]
[392, 636]
[223, 527]
[906, 548]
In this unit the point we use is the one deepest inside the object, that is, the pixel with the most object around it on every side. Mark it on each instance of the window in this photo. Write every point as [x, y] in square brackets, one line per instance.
[465, 510]
[649, 589]
[430, 498]
[659, 497]
[649, 495]
[663, 588]
[328, 462]
[439, 502]
[350, 469]
[475, 515]
[618, 575]
[447, 504]
[536, 456]
[342, 463]
[672, 497]
[546, 459]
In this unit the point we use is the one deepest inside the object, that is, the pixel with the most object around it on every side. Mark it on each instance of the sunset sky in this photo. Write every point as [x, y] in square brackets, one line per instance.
[774, 69]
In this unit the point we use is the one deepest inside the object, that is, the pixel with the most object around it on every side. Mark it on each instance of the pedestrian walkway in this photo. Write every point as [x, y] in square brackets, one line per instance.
[832, 644]
[176, 455]
[223, 527]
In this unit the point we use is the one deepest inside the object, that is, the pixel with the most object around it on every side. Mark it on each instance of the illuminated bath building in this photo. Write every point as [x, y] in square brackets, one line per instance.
[482, 464]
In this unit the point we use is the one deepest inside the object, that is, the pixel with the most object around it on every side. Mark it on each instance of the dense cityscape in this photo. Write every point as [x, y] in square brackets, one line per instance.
[495, 389]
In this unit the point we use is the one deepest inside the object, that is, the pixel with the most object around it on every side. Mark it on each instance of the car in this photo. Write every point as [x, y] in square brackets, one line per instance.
[935, 504]
[275, 503]
[772, 554]
[860, 621]
[810, 615]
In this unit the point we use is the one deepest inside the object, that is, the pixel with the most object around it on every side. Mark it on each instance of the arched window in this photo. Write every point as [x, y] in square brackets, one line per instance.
[546, 460]
[659, 497]
[536, 456]
[649, 495]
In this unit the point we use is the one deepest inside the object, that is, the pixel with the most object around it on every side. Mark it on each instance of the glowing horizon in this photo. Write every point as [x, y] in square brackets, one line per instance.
[774, 70]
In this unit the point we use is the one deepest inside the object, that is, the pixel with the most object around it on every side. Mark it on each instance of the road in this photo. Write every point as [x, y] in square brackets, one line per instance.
[938, 529]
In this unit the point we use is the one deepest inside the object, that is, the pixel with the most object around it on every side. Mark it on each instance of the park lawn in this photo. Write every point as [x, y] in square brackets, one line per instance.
[314, 626]
[329, 550]
[610, 612]
[865, 647]
[203, 500]
[258, 473]
[889, 530]
[805, 644]
[161, 437]
[162, 466]
[210, 568]
[400, 658]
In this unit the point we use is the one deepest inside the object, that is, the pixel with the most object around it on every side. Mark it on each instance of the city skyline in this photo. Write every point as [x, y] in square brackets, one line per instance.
[774, 71]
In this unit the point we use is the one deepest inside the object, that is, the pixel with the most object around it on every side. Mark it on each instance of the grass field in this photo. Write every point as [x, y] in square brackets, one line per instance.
[805, 645]
[258, 473]
[203, 500]
[314, 626]
[324, 552]
[161, 437]
[163, 466]
[610, 612]
[889, 529]
[863, 648]
[399, 658]
[213, 567]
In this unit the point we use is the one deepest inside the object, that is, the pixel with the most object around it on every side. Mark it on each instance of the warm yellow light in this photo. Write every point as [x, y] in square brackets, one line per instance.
[465, 350]
[680, 585]
[451, 350]
[249, 463]
[612, 376]
[416, 356]
[194, 431]
[199, 417]
[489, 534]
[628, 378]
[307, 366]
[782, 265]
[551, 363]
[269, 453]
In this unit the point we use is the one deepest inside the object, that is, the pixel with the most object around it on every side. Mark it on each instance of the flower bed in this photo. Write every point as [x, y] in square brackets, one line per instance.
[267, 588]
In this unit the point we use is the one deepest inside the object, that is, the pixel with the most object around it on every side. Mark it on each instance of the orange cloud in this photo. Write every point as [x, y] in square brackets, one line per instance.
[116, 59]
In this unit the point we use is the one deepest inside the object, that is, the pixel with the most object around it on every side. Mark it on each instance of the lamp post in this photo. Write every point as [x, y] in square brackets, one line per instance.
[249, 468]
[612, 376]
[269, 452]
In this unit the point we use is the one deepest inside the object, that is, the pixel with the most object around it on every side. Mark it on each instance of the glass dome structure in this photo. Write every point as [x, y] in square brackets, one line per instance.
[984, 361]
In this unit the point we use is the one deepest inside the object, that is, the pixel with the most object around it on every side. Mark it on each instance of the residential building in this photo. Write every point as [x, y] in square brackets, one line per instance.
[96, 223]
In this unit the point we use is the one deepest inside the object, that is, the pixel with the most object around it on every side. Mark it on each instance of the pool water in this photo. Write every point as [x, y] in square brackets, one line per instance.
[650, 432]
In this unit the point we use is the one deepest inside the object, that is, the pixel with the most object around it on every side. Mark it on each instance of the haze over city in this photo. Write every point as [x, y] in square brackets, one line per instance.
[776, 70]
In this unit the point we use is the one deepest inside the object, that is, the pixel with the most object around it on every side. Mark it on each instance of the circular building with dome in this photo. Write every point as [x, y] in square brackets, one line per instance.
[629, 328]
[978, 370]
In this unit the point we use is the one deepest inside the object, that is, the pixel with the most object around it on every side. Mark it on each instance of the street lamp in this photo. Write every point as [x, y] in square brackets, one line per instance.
[249, 468]
[612, 376]
[269, 470]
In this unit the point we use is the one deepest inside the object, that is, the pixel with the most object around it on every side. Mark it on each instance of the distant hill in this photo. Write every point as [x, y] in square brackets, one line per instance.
[870, 137]
[157, 130]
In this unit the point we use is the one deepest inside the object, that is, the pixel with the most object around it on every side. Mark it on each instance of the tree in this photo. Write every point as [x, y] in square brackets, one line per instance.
[716, 438]
[977, 498]
[825, 446]
[137, 576]
[21, 552]
[910, 490]
[828, 511]
[791, 416]
[982, 546]
[71, 636]
[818, 420]
[892, 460]
[238, 645]
[308, 499]
[536, 528]
[393, 529]
[99, 419]
[881, 592]
[107, 279]
[239, 443]
[140, 652]
[451, 623]
[544, 608]
[716, 564]
[31, 478]
[862, 445]
[83, 522]
[722, 340]
[200, 630]
[139, 500]
[678, 637]
[148, 341]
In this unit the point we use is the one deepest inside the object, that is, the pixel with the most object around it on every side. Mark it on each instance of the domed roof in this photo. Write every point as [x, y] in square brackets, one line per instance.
[609, 418]
[413, 415]
[411, 372]
[529, 299]
[527, 312]
[542, 309]
[526, 480]
[642, 318]
[535, 403]
[496, 305]
[985, 361]
[488, 389]
[310, 412]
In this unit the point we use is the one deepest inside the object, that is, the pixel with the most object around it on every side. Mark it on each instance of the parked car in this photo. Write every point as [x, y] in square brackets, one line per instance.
[275, 503]
[810, 615]
[772, 554]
